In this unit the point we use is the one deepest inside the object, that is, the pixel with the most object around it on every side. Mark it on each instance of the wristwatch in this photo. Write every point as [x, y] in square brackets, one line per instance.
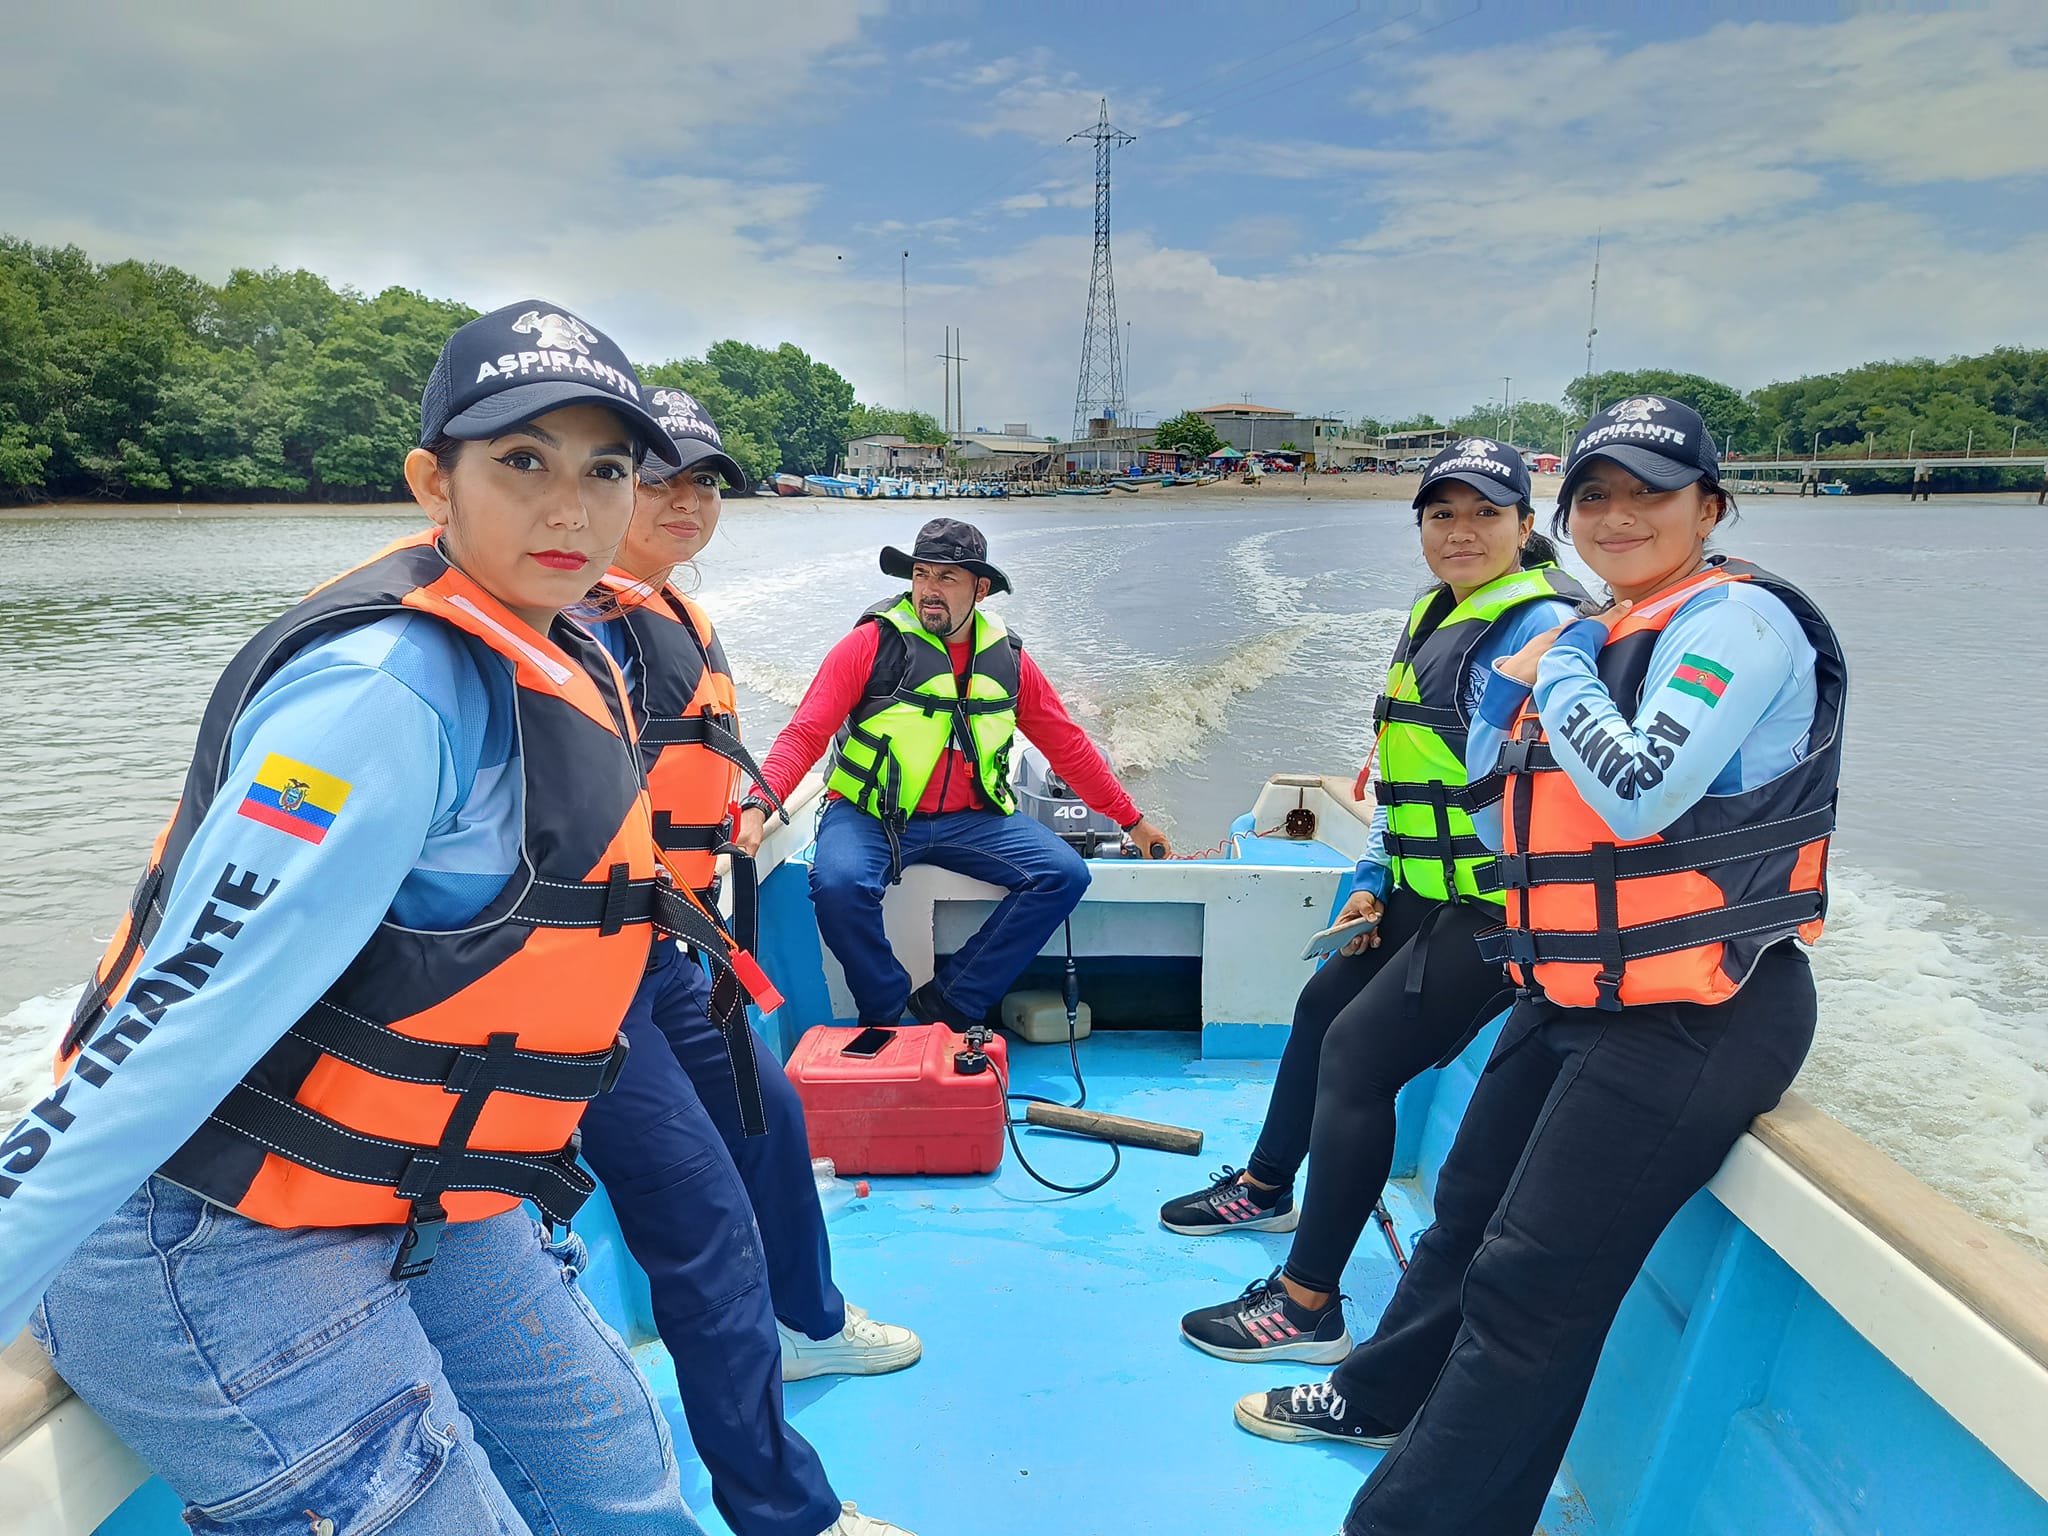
[756, 803]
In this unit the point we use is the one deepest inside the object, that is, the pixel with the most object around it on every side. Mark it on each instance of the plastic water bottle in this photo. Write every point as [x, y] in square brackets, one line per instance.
[835, 1193]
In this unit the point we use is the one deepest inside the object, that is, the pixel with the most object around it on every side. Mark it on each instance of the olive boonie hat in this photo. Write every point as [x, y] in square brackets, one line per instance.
[946, 541]
[522, 361]
[695, 436]
[1494, 470]
[1661, 441]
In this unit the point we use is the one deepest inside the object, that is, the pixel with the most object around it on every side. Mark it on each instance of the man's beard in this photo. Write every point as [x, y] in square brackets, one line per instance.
[937, 621]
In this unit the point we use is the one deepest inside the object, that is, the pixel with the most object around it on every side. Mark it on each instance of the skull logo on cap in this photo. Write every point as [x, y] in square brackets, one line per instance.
[560, 333]
[1642, 408]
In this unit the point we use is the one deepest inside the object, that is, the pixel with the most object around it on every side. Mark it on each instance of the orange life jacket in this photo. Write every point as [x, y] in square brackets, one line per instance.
[442, 1076]
[1596, 921]
[690, 745]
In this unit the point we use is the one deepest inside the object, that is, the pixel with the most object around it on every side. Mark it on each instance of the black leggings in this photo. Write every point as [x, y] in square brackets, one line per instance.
[1356, 1041]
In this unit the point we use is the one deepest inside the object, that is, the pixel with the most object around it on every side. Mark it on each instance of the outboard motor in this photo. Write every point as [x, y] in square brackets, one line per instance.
[1044, 796]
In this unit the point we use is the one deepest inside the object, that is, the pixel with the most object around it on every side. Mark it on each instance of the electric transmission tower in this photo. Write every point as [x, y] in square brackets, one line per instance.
[1101, 390]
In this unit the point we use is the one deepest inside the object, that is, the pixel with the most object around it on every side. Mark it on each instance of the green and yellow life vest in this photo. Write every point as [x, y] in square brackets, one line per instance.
[1422, 725]
[913, 709]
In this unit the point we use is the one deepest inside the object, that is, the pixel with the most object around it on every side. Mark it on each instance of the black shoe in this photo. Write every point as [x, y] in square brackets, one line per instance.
[1265, 1323]
[928, 1005]
[1313, 1412]
[1231, 1204]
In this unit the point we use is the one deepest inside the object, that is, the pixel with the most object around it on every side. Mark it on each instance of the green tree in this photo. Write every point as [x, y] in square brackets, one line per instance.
[1189, 433]
[880, 421]
[1727, 413]
[746, 426]
[807, 402]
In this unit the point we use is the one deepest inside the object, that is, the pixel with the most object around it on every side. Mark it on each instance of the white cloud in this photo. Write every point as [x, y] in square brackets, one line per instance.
[1760, 187]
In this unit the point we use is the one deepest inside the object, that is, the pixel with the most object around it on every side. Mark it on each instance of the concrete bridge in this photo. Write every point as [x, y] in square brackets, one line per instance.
[1812, 471]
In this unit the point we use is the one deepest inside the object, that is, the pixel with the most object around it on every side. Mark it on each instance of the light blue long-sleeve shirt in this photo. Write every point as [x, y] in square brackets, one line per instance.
[1727, 705]
[1375, 869]
[417, 720]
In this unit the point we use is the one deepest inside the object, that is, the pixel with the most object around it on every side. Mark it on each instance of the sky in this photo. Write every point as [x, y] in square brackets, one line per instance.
[1362, 209]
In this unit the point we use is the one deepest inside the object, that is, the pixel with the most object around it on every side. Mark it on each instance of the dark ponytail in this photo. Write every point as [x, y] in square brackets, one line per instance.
[1537, 550]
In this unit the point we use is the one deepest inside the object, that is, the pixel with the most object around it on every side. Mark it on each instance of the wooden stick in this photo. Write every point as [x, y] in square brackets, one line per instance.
[1116, 1128]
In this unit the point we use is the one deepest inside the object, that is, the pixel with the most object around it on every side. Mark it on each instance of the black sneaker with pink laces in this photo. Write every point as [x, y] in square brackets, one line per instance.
[1231, 1203]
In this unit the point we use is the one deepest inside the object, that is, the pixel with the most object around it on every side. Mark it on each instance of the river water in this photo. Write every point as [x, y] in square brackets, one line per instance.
[1206, 643]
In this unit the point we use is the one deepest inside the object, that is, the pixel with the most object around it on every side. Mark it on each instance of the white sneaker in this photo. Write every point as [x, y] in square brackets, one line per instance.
[852, 1522]
[863, 1347]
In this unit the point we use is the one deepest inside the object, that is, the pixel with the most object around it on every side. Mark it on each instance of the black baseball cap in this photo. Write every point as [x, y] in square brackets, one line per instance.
[694, 435]
[522, 361]
[946, 541]
[1661, 441]
[1494, 470]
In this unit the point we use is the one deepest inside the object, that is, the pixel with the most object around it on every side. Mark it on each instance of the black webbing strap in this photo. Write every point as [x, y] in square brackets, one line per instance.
[687, 837]
[1771, 914]
[1387, 711]
[567, 1077]
[715, 734]
[144, 918]
[551, 1180]
[1418, 794]
[677, 915]
[746, 898]
[1462, 845]
[1526, 755]
[1521, 870]
[1607, 923]
[1480, 793]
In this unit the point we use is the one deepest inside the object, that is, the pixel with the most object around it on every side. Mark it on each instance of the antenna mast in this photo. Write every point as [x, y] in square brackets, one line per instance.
[1102, 373]
[1593, 327]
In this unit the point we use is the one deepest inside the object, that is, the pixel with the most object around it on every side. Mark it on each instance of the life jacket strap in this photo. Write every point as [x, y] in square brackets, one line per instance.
[671, 837]
[1391, 795]
[551, 1180]
[1391, 711]
[1519, 871]
[565, 1077]
[145, 916]
[1520, 946]
[1434, 849]
[1525, 756]
[718, 735]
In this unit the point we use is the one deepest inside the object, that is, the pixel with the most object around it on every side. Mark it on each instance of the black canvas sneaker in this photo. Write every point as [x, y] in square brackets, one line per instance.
[1231, 1204]
[1265, 1323]
[1313, 1412]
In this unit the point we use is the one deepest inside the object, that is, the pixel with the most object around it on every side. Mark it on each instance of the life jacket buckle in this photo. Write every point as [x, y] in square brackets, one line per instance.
[422, 1240]
[1512, 870]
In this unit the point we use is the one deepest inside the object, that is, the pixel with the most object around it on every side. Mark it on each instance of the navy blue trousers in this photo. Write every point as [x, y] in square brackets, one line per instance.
[850, 873]
[731, 1235]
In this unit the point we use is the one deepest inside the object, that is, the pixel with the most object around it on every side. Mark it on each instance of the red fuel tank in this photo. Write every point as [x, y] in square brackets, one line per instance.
[906, 1109]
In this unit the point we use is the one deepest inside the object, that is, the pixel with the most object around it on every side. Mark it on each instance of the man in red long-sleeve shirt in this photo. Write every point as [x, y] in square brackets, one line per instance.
[925, 697]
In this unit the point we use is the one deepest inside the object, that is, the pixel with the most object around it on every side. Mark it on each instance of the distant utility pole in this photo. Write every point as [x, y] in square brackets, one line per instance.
[956, 422]
[1593, 327]
[906, 330]
[1102, 375]
[1500, 427]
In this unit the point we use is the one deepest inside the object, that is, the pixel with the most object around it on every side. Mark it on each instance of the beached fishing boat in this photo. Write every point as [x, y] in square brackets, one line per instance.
[1818, 1344]
[789, 485]
[1834, 488]
[841, 487]
[1084, 490]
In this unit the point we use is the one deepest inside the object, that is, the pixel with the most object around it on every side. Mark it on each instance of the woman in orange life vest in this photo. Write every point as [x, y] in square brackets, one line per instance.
[688, 1182]
[1671, 768]
[374, 972]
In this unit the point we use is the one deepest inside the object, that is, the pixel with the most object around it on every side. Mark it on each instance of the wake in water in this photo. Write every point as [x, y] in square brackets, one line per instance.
[1933, 1046]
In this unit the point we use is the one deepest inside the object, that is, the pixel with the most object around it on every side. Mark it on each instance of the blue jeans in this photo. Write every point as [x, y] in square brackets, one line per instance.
[850, 871]
[280, 1381]
[729, 1231]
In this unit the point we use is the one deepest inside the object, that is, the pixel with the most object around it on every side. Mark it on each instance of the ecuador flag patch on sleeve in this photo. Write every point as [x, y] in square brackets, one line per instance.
[294, 798]
[1703, 679]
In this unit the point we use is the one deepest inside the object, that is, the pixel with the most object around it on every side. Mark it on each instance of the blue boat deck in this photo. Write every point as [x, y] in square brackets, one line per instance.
[1055, 1393]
